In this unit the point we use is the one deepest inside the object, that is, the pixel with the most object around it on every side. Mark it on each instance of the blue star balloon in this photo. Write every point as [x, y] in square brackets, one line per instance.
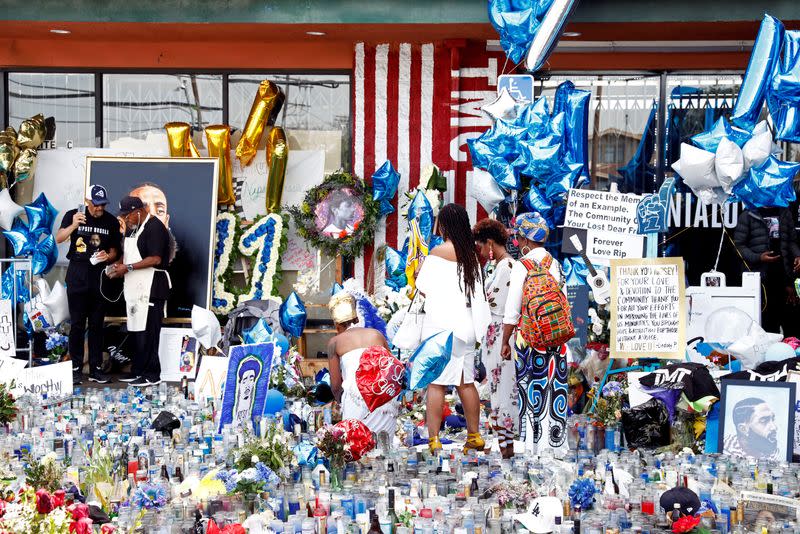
[306, 453]
[574, 104]
[535, 200]
[560, 181]
[515, 28]
[421, 210]
[259, 333]
[534, 117]
[480, 152]
[41, 215]
[783, 93]
[504, 173]
[768, 185]
[709, 140]
[293, 315]
[384, 187]
[763, 59]
[575, 271]
[45, 255]
[395, 264]
[21, 239]
[503, 139]
[430, 359]
[7, 282]
[540, 157]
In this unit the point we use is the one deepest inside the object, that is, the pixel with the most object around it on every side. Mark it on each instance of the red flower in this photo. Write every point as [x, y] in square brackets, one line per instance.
[58, 498]
[2, 508]
[234, 529]
[342, 234]
[108, 528]
[81, 526]
[44, 503]
[79, 511]
[685, 524]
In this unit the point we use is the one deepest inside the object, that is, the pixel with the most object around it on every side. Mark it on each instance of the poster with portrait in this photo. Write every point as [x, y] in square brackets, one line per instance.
[246, 383]
[757, 419]
[182, 193]
[766, 510]
[339, 213]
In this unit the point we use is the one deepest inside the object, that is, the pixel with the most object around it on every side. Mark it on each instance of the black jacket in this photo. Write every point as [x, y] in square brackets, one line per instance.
[752, 239]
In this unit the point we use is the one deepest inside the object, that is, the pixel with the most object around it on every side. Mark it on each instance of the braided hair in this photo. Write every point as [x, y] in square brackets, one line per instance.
[454, 227]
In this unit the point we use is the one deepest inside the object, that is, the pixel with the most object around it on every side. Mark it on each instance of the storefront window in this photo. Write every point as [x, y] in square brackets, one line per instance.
[135, 105]
[315, 115]
[620, 119]
[69, 98]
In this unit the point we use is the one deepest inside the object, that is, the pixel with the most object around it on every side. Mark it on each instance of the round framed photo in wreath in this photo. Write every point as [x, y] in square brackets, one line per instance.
[338, 216]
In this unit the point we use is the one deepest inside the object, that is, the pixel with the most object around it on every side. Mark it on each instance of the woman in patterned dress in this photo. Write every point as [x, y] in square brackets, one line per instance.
[541, 373]
[491, 236]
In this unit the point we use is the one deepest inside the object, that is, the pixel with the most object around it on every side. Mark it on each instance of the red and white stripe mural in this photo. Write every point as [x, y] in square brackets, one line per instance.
[417, 104]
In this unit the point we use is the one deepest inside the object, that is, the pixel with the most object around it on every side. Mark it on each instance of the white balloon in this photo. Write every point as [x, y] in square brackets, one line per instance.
[729, 164]
[726, 325]
[485, 190]
[503, 107]
[9, 210]
[547, 33]
[57, 303]
[205, 327]
[757, 149]
[778, 352]
[696, 167]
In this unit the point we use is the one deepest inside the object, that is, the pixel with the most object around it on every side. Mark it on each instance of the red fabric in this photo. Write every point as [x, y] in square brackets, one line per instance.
[359, 438]
[379, 377]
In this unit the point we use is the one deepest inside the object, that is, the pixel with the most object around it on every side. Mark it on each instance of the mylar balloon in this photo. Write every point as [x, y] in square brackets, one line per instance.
[25, 165]
[696, 167]
[535, 200]
[306, 453]
[503, 107]
[575, 271]
[728, 164]
[31, 132]
[205, 327]
[556, 13]
[276, 135]
[768, 185]
[783, 94]
[8, 153]
[277, 176]
[515, 27]
[258, 333]
[758, 148]
[395, 265]
[430, 359]
[722, 129]
[293, 315]
[218, 138]
[574, 104]
[179, 134]
[420, 210]
[42, 221]
[283, 343]
[485, 190]
[379, 377]
[266, 98]
[274, 403]
[57, 303]
[358, 436]
[7, 284]
[9, 210]
[20, 238]
[45, 255]
[763, 59]
[384, 186]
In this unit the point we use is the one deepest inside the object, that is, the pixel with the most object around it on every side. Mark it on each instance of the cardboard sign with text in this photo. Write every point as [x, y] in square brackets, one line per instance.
[648, 315]
[46, 381]
[7, 346]
[602, 247]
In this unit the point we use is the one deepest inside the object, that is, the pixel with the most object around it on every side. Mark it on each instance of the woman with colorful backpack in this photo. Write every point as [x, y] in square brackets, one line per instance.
[537, 312]
[451, 281]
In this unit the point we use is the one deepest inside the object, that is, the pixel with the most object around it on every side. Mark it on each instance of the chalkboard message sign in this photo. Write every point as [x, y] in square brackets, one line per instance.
[648, 318]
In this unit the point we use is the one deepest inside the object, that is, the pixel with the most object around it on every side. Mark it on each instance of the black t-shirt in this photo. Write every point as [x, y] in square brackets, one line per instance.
[99, 233]
[155, 241]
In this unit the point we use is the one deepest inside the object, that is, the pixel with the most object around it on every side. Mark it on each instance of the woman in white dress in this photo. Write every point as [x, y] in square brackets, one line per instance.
[541, 373]
[491, 236]
[451, 282]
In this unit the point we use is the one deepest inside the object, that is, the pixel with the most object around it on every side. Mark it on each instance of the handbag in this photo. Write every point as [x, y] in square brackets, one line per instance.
[409, 334]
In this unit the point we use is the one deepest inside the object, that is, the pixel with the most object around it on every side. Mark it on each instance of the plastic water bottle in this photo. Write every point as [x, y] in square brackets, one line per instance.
[408, 428]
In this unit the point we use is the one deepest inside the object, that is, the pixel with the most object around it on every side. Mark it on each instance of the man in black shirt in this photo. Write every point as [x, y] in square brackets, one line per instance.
[94, 242]
[147, 284]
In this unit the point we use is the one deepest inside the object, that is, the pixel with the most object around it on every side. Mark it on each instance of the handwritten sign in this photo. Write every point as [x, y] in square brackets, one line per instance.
[170, 345]
[210, 378]
[7, 346]
[648, 319]
[602, 211]
[47, 381]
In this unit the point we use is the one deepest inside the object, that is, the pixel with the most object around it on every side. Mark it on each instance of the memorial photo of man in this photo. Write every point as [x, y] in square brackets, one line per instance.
[756, 432]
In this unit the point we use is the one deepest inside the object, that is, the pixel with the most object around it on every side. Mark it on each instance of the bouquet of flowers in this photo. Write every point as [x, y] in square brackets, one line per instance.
[149, 497]
[581, 493]
[44, 473]
[688, 523]
[331, 443]
[599, 332]
[609, 406]
[8, 404]
[248, 481]
[514, 496]
[432, 183]
[39, 511]
[389, 302]
[274, 450]
[286, 374]
[56, 345]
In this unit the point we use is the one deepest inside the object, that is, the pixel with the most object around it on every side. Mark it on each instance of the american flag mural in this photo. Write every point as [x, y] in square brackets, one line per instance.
[417, 104]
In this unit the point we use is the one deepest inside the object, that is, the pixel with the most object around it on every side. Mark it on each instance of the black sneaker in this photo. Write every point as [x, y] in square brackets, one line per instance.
[140, 382]
[130, 377]
[153, 381]
[77, 378]
[99, 377]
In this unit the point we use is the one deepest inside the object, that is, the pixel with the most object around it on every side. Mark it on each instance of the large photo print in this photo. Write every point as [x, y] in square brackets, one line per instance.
[182, 192]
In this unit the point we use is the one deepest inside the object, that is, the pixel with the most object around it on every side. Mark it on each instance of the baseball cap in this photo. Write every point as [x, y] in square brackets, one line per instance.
[532, 226]
[129, 204]
[98, 195]
[688, 500]
[541, 515]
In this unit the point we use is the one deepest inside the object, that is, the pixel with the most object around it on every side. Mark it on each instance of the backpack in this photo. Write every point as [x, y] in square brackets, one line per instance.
[244, 317]
[546, 317]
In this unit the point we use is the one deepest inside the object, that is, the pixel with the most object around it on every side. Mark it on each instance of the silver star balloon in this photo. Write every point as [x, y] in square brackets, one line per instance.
[503, 107]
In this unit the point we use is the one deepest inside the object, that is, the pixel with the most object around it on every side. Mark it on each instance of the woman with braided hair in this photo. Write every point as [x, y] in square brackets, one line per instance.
[452, 283]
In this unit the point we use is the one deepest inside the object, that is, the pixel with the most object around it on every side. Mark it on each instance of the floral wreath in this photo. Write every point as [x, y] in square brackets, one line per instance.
[351, 245]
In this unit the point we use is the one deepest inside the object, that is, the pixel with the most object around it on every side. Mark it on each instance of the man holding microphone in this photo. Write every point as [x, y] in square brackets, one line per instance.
[94, 243]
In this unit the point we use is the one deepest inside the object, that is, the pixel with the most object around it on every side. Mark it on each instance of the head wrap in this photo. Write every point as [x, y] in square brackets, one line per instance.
[532, 226]
[343, 308]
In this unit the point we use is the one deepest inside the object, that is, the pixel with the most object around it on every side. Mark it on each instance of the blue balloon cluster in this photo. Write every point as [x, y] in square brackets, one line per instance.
[548, 149]
[518, 22]
[768, 184]
[35, 239]
[421, 211]
[384, 187]
[575, 270]
[430, 359]
[293, 315]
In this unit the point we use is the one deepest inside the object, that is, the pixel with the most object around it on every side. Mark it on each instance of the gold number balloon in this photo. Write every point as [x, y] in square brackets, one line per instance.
[32, 132]
[274, 136]
[8, 151]
[25, 165]
[179, 136]
[266, 99]
[277, 174]
[219, 146]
